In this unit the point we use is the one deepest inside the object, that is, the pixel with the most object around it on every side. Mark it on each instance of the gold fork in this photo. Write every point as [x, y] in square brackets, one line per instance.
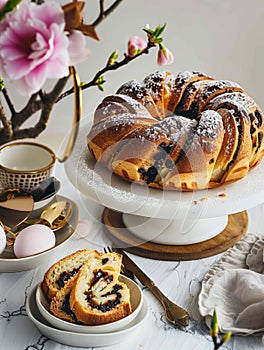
[124, 270]
[174, 313]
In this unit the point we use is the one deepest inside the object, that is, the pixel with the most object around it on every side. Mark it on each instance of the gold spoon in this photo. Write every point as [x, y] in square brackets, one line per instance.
[54, 216]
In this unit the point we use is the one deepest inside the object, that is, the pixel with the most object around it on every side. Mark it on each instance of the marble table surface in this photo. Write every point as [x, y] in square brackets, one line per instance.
[179, 280]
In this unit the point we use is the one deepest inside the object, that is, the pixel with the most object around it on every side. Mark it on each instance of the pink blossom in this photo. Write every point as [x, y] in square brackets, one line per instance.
[34, 46]
[164, 56]
[77, 47]
[2, 4]
[136, 45]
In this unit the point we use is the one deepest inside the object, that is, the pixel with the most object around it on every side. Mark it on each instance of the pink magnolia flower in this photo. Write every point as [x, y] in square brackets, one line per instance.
[35, 47]
[136, 45]
[164, 56]
[2, 4]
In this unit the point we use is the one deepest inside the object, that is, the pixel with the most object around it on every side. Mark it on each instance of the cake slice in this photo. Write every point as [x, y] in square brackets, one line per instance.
[97, 297]
[64, 270]
[60, 303]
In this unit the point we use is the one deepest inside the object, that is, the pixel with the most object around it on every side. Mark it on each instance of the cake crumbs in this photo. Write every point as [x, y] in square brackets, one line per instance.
[222, 195]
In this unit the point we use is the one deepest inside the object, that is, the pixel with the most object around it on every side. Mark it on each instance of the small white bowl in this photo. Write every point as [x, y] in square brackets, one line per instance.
[136, 299]
[130, 333]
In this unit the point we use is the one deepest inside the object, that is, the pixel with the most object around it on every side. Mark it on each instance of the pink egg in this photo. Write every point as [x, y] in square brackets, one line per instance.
[2, 239]
[34, 239]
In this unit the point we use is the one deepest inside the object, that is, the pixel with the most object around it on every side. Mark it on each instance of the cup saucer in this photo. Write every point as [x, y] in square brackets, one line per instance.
[8, 260]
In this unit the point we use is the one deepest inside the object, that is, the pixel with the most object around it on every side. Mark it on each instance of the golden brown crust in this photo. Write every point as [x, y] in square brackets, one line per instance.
[106, 135]
[57, 304]
[64, 269]
[194, 169]
[159, 85]
[97, 297]
[139, 93]
[132, 149]
[182, 83]
[238, 103]
[229, 146]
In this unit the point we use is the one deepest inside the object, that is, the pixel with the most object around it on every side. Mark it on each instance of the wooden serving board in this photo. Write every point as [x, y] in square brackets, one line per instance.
[118, 233]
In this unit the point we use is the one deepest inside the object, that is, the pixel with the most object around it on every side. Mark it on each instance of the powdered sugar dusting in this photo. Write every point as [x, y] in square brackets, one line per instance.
[172, 136]
[151, 133]
[237, 99]
[211, 86]
[175, 126]
[118, 122]
[134, 89]
[153, 82]
[170, 78]
[209, 125]
[132, 102]
[185, 76]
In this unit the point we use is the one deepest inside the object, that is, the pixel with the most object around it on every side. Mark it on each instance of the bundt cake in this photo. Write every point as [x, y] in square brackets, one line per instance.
[183, 132]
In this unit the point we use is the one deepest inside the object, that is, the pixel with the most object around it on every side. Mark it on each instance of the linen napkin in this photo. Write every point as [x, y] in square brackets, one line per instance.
[235, 288]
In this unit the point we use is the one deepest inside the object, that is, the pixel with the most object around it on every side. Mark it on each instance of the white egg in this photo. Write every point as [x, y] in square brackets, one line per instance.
[34, 239]
[2, 239]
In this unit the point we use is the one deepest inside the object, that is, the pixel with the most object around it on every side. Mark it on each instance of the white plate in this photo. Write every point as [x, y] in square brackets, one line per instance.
[84, 339]
[9, 262]
[136, 298]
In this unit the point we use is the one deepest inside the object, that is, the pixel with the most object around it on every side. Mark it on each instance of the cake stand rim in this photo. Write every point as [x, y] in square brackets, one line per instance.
[113, 192]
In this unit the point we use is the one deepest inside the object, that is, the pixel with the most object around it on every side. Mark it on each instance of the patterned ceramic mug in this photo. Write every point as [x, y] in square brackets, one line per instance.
[26, 164]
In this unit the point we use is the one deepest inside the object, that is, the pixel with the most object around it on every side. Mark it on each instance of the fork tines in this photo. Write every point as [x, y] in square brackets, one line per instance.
[124, 270]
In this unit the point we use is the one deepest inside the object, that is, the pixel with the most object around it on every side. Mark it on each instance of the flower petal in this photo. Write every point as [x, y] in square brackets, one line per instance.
[77, 49]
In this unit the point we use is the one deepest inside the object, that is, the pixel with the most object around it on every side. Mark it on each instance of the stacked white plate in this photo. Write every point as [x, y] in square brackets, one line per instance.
[84, 335]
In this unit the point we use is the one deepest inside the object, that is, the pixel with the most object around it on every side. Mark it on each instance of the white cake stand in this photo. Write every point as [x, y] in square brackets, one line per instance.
[163, 217]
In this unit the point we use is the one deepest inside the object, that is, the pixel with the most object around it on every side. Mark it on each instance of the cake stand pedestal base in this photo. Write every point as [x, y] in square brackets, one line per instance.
[121, 236]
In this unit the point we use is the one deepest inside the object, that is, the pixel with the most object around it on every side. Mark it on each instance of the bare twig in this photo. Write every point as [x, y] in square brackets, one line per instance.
[6, 123]
[104, 13]
[45, 105]
[8, 100]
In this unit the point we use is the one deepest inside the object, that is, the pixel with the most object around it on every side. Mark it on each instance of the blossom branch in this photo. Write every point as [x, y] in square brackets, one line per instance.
[109, 67]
